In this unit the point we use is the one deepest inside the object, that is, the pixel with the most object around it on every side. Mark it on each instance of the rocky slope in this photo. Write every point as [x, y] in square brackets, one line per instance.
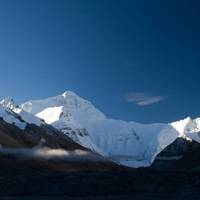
[19, 129]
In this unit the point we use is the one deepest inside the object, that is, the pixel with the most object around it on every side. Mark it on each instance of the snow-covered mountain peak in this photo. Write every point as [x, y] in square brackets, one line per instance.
[128, 143]
[68, 93]
[188, 128]
[181, 125]
[9, 106]
[9, 102]
[11, 117]
[68, 106]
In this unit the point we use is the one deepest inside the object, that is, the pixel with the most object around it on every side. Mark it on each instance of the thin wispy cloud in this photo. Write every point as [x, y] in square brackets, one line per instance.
[143, 99]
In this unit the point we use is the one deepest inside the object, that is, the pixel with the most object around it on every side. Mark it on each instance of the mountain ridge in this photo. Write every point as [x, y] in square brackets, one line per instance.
[127, 143]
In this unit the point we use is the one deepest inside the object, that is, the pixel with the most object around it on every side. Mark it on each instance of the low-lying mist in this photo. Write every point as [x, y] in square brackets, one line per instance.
[47, 153]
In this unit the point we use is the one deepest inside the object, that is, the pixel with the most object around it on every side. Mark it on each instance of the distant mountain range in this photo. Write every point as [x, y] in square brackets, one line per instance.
[70, 122]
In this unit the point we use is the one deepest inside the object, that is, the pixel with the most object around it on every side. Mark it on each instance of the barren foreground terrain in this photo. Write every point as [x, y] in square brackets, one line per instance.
[58, 179]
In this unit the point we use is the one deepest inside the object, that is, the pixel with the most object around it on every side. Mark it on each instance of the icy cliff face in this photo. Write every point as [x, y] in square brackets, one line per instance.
[128, 143]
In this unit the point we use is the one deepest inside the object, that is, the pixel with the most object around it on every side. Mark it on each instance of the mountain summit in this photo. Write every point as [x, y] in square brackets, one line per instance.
[9, 103]
[188, 128]
[128, 143]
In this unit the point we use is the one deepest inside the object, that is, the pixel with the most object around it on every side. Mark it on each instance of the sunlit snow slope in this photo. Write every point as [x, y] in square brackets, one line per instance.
[9, 106]
[11, 117]
[128, 143]
[188, 128]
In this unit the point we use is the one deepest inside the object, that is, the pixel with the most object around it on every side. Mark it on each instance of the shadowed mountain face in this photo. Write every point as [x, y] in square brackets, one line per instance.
[32, 136]
[182, 154]
[46, 147]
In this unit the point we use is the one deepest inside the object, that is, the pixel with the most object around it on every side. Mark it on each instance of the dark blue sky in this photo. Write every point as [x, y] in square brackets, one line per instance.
[135, 60]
